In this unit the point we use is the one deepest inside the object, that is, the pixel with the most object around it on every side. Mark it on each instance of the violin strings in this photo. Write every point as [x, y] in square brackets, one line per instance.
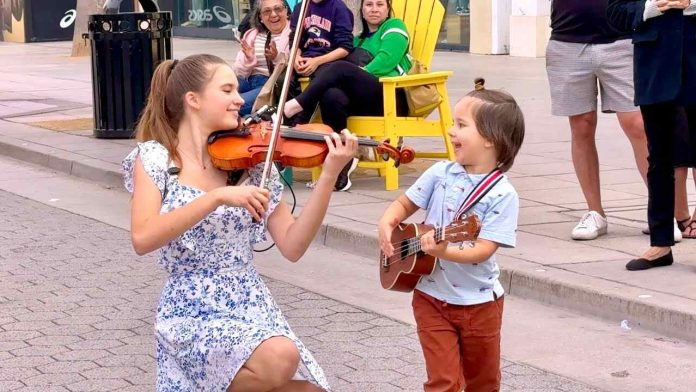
[309, 135]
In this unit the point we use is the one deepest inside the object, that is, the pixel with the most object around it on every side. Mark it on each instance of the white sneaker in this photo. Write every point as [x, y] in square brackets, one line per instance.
[591, 226]
[677, 233]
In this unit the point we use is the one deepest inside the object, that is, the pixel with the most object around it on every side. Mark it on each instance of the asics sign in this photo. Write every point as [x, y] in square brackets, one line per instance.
[206, 16]
[68, 19]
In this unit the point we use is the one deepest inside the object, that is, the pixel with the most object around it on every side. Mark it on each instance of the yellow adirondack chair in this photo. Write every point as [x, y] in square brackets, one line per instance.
[423, 19]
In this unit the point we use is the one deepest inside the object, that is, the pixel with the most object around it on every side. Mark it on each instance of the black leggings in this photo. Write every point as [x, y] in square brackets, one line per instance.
[662, 122]
[343, 89]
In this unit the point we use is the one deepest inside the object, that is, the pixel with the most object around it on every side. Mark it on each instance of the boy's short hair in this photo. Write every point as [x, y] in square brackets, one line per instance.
[500, 120]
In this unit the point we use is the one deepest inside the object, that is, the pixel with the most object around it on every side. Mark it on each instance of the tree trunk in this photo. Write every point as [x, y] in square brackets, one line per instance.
[84, 9]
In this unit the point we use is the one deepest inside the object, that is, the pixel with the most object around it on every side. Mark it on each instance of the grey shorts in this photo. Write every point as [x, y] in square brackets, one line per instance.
[574, 70]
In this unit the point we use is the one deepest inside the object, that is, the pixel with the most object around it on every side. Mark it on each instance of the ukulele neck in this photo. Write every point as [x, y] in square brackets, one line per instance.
[414, 244]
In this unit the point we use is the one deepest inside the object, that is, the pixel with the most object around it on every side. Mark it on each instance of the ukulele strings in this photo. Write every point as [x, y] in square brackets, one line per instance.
[412, 242]
[453, 226]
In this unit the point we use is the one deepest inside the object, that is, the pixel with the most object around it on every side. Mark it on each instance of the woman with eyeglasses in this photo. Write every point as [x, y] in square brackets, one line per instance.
[263, 46]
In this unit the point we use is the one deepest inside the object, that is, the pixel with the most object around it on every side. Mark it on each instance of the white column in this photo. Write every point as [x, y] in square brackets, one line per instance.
[489, 28]
[530, 27]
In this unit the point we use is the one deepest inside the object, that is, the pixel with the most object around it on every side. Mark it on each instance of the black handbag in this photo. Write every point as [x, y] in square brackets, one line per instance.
[359, 57]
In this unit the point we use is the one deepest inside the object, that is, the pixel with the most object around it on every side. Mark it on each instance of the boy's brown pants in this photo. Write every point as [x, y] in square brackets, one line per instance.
[461, 344]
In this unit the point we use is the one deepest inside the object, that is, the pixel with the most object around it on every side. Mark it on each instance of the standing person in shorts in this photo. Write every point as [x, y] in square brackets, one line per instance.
[583, 51]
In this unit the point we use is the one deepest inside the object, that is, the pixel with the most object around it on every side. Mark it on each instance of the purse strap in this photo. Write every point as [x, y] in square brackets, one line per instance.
[480, 190]
[269, 62]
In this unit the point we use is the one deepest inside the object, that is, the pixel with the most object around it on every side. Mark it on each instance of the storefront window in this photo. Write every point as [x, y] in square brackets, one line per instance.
[205, 18]
[454, 33]
[216, 18]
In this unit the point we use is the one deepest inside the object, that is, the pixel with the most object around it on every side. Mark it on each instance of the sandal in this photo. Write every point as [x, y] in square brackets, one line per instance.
[689, 230]
[683, 224]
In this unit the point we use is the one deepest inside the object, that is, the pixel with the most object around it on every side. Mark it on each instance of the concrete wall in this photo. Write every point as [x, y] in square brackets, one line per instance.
[530, 27]
[515, 27]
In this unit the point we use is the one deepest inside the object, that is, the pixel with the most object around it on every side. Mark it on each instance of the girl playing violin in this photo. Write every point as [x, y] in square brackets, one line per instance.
[217, 326]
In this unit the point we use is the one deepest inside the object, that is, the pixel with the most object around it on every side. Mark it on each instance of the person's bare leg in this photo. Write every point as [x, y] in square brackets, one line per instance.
[655, 252]
[632, 125]
[299, 386]
[681, 201]
[291, 108]
[585, 159]
[272, 365]
[693, 174]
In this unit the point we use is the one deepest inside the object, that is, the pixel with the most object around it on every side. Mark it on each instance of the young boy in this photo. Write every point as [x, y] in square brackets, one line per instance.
[459, 308]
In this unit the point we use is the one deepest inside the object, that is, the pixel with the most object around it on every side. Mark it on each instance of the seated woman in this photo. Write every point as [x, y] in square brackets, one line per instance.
[327, 35]
[345, 89]
[263, 46]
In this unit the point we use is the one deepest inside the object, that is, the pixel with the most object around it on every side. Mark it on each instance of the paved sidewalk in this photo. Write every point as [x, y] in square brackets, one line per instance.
[40, 84]
[77, 306]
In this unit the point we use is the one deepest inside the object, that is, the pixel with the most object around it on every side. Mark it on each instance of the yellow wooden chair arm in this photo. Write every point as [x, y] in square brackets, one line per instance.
[304, 82]
[417, 80]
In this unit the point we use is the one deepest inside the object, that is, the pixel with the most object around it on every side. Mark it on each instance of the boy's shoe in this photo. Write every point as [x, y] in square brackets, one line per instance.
[591, 226]
[343, 181]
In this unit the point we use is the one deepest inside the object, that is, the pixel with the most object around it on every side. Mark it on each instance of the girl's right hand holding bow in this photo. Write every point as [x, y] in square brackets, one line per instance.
[251, 198]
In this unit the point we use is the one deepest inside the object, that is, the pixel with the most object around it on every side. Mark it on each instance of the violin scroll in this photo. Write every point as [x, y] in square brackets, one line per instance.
[399, 155]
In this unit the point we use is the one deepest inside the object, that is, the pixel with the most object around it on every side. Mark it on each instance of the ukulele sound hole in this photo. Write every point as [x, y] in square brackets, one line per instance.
[405, 249]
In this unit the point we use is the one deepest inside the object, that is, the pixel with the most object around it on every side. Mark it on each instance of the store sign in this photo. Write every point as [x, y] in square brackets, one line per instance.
[222, 15]
[206, 15]
[68, 19]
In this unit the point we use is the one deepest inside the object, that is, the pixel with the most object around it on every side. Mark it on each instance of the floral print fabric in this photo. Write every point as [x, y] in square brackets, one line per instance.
[215, 309]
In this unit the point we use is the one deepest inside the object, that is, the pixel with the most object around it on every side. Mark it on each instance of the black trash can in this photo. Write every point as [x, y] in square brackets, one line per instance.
[126, 48]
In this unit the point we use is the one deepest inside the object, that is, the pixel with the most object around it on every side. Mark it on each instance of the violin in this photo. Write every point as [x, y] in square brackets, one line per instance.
[302, 146]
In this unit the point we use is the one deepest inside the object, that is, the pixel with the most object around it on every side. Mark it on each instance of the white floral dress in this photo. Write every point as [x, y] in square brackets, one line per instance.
[215, 309]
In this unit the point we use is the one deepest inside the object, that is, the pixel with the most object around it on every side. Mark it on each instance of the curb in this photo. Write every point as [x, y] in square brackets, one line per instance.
[555, 286]
[65, 162]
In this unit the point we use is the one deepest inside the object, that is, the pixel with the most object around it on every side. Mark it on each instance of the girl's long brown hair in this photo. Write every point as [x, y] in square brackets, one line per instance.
[165, 104]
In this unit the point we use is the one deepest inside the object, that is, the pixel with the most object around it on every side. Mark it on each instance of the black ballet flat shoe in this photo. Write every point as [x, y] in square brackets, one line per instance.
[643, 264]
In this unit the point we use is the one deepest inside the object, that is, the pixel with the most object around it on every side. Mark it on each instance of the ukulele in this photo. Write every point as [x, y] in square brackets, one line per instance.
[403, 270]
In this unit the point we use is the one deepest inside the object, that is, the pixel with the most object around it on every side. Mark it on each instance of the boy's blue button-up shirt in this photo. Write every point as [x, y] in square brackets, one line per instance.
[440, 191]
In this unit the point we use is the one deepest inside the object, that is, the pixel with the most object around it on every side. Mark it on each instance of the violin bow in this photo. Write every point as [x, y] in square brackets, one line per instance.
[265, 175]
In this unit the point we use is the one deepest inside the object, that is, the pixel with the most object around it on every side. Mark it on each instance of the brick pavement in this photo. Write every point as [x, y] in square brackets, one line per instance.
[40, 84]
[77, 306]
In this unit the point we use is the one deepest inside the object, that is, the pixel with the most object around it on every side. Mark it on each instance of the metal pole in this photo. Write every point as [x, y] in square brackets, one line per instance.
[265, 175]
